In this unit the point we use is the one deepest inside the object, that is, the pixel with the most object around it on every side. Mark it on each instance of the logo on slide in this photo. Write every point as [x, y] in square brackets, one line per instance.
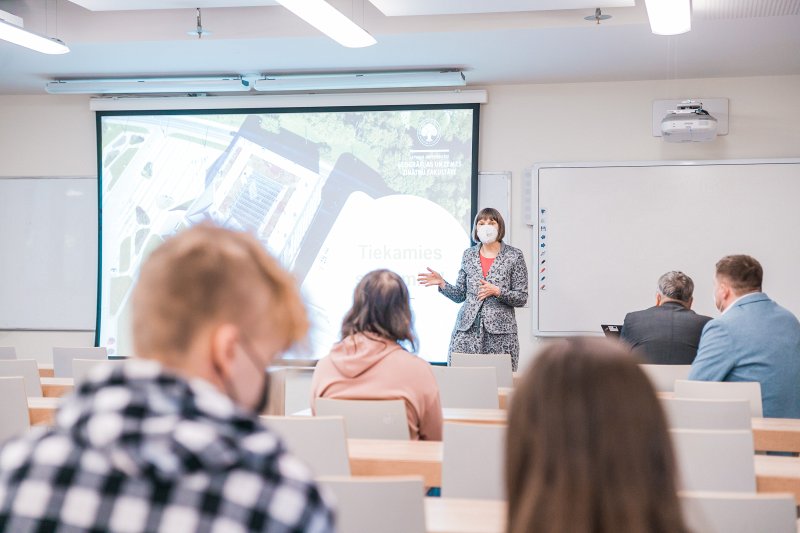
[428, 132]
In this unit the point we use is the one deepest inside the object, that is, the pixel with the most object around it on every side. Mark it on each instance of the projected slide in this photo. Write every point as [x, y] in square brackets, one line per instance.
[332, 194]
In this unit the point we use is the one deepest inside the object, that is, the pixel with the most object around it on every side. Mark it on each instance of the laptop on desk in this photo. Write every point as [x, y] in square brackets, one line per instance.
[611, 330]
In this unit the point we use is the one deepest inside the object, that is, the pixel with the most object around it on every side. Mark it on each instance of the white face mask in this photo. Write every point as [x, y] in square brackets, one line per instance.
[487, 233]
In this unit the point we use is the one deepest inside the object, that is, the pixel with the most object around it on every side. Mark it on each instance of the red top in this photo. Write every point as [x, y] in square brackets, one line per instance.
[486, 264]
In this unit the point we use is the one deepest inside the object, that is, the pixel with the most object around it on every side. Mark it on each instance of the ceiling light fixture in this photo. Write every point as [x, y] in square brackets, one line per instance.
[332, 81]
[11, 30]
[146, 85]
[669, 17]
[597, 17]
[199, 31]
[276, 83]
[330, 21]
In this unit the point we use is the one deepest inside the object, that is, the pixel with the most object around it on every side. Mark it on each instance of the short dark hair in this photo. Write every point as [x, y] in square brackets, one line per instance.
[742, 271]
[381, 307]
[489, 213]
[588, 447]
[676, 285]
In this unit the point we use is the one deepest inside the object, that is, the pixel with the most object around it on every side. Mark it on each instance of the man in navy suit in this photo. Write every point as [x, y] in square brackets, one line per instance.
[755, 339]
[669, 332]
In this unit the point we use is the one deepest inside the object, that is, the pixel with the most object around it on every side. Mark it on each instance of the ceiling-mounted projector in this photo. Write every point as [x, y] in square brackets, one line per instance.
[688, 123]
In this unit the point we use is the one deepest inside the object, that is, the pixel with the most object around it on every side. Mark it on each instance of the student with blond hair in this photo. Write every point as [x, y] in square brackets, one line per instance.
[588, 449]
[171, 440]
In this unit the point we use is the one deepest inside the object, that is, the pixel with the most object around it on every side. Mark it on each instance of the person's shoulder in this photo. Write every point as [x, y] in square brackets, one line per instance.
[285, 488]
[512, 250]
[264, 451]
[410, 362]
[698, 317]
[642, 313]
[24, 451]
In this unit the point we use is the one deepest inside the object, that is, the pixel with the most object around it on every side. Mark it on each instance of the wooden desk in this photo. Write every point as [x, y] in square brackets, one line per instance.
[369, 457]
[475, 416]
[449, 515]
[42, 410]
[45, 370]
[503, 396]
[778, 474]
[769, 434]
[776, 434]
[424, 458]
[57, 387]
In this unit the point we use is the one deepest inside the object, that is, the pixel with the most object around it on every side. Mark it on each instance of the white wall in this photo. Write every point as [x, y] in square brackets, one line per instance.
[525, 124]
[521, 124]
[46, 136]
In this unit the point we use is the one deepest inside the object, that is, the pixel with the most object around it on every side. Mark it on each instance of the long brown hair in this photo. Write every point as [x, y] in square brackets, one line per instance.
[588, 449]
[381, 307]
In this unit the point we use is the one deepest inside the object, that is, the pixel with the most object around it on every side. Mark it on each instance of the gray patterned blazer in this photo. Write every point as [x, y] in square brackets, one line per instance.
[508, 273]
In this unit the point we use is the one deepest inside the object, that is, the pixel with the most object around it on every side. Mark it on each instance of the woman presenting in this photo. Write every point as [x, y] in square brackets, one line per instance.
[492, 281]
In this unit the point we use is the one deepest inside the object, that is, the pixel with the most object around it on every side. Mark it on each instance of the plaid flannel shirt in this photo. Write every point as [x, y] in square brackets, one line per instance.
[136, 449]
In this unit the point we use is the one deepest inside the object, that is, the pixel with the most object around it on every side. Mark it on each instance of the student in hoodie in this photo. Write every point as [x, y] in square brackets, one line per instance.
[171, 441]
[369, 362]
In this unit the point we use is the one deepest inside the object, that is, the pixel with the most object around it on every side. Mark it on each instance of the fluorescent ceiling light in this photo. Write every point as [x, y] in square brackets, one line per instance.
[360, 80]
[11, 30]
[330, 21]
[669, 17]
[192, 84]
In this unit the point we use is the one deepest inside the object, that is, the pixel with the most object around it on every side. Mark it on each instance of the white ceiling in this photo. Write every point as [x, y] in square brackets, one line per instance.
[728, 38]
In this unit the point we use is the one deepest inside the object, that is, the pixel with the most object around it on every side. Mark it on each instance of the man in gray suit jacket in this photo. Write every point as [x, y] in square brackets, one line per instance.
[669, 332]
[755, 339]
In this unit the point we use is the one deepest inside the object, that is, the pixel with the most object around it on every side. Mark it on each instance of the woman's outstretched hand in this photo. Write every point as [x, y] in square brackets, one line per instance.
[430, 278]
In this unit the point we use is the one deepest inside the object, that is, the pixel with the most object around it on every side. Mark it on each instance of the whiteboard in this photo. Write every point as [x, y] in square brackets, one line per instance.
[607, 231]
[48, 263]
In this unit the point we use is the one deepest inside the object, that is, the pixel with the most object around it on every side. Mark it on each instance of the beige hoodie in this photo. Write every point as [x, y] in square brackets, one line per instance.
[369, 368]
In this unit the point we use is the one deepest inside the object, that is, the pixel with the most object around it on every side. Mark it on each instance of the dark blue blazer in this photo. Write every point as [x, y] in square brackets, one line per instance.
[668, 334]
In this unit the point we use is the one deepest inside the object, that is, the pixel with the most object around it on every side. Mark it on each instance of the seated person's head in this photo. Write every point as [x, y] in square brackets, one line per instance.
[381, 308]
[675, 286]
[212, 303]
[588, 449]
[736, 276]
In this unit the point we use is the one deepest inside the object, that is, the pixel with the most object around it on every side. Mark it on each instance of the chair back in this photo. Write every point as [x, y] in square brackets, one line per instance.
[377, 504]
[473, 461]
[368, 419]
[82, 367]
[726, 512]
[663, 376]
[14, 418]
[319, 441]
[62, 358]
[714, 460]
[289, 390]
[725, 390]
[27, 369]
[467, 387]
[500, 361]
[707, 414]
[7, 352]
